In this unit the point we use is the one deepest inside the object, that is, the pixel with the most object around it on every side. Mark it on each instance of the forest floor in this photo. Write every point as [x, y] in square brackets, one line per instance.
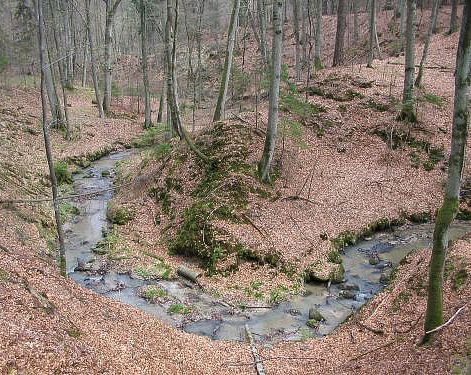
[52, 325]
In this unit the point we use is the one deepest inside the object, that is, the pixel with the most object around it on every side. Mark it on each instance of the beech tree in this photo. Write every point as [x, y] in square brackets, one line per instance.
[226, 73]
[318, 42]
[270, 140]
[408, 99]
[110, 10]
[145, 77]
[297, 40]
[433, 19]
[47, 142]
[340, 35]
[454, 17]
[449, 208]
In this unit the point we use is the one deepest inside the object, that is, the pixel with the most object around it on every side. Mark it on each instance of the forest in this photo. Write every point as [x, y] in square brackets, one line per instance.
[235, 187]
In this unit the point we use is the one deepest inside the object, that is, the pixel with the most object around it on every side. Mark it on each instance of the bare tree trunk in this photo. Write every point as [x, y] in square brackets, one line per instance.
[161, 107]
[111, 7]
[85, 49]
[93, 59]
[62, 63]
[418, 80]
[69, 65]
[372, 32]
[356, 28]
[262, 19]
[408, 99]
[446, 214]
[295, 6]
[454, 17]
[47, 142]
[304, 13]
[340, 35]
[402, 26]
[220, 106]
[269, 150]
[318, 42]
[145, 77]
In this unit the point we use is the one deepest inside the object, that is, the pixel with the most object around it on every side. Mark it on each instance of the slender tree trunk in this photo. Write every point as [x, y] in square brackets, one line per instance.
[340, 35]
[295, 6]
[403, 24]
[446, 214]
[454, 17]
[269, 150]
[161, 107]
[85, 49]
[262, 19]
[93, 60]
[356, 28]
[318, 42]
[47, 142]
[62, 64]
[418, 80]
[408, 99]
[304, 12]
[220, 106]
[111, 7]
[372, 32]
[69, 64]
[145, 77]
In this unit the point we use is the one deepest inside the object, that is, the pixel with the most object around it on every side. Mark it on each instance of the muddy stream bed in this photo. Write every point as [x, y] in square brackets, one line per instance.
[211, 316]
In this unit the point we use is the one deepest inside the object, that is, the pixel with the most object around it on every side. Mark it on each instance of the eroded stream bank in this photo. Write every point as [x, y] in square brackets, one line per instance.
[189, 308]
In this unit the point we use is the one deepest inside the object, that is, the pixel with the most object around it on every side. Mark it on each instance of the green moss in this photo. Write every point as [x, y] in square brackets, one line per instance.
[154, 291]
[292, 104]
[379, 107]
[464, 214]
[63, 176]
[118, 215]
[434, 99]
[279, 294]
[312, 323]
[337, 275]
[74, 332]
[459, 278]
[401, 298]
[334, 257]
[5, 276]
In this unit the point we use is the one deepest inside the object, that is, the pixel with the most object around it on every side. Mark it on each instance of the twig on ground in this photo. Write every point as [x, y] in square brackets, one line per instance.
[449, 320]
[371, 351]
[4, 248]
[298, 198]
[371, 329]
[240, 364]
[256, 356]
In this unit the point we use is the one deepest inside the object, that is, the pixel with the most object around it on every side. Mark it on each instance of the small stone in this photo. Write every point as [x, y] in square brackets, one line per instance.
[384, 278]
[347, 294]
[314, 314]
[294, 312]
[373, 260]
[348, 286]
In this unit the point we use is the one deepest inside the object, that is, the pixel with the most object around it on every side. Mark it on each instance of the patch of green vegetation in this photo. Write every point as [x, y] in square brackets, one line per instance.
[464, 214]
[180, 308]
[292, 104]
[240, 80]
[401, 298]
[155, 291]
[294, 130]
[459, 278]
[253, 290]
[306, 334]
[150, 137]
[158, 270]
[118, 215]
[4, 276]
[74, 332]
[67, 210]
[344, 239]
[312, 323]
[63, 175]
[337, 275]
[377, 106]
[419, 217]
[434, 99]
[334, 256]
[279, 294]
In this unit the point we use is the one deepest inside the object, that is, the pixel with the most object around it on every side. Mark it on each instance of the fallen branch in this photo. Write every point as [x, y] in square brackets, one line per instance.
[426, 67]
[4, 248]
[264, 235]
[371, 329]
[256, 356]
[240, 364]
[371, 351]
[298, 198]
[449, 320]
[11, 201]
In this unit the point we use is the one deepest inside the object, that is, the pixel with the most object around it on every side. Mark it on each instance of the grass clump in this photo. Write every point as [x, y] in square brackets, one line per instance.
[179, 308]
[459, 278]
[279, 294]
[150, 137]
[291, 103]
[158, 270]
[433, 99]
[155, 291]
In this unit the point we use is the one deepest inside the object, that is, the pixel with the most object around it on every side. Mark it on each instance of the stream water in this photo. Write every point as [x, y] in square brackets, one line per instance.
[212, 317]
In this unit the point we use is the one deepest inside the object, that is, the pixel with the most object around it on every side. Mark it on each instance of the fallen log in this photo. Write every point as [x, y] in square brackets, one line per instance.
[188, 273]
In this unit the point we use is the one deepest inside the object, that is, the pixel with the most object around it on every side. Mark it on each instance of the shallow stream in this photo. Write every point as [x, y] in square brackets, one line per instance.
[211, 316]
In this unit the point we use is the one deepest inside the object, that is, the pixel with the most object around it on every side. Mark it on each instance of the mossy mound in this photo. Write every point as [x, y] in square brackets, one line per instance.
[196, 197]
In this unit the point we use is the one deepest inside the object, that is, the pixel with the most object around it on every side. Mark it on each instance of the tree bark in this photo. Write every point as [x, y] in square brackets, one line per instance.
[356, 28]
[446, 214]
[93, 60]
[318, 42]
[423, 60]
[295, 6]
[47, 142]
[372, 32]
[408, 99]
[220, 106]
[84, 67]
[402, 24]
[111, 7]
[262, 19]
[340, 35]
[454, 17]
[269, 150]
[145, 77]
